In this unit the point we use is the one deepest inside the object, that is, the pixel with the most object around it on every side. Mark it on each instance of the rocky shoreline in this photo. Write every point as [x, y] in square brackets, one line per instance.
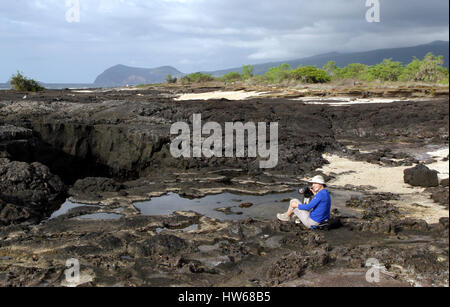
[111, 148]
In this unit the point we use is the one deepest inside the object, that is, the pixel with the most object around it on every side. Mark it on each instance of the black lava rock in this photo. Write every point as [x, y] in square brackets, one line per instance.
[421, 176]
[28, 192]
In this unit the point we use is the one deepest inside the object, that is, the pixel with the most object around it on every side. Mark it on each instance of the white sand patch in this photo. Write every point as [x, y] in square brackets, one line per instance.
[384, 179]
[83, 91]
[421, 206]
[440, 153]
[236, 95]
[348, 101]
[388, 180]
[441, 166]
[128, 88]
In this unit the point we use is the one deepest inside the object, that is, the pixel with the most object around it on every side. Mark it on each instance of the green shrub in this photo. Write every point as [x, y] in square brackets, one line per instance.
[443, 75]
[352, 71]
[311, 74]
[444, 81]
[171, 80]
[385, 71]
[231, 77]
[247, 72]
[428, 70]
[197, 77]
[21, 83]
[279, 74]
[411, 70]
[330, 68]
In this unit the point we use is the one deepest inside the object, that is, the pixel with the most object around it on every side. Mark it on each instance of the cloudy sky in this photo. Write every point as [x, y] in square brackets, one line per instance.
[197, 35]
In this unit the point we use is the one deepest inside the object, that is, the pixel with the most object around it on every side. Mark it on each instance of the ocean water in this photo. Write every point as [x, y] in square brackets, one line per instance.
[57, 86]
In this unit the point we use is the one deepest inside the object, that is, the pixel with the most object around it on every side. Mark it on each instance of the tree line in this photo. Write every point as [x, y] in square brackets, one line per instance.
[429, 69]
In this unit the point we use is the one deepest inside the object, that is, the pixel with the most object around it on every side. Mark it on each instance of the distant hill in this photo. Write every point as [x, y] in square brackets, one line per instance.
[404, 55]
[121, 75]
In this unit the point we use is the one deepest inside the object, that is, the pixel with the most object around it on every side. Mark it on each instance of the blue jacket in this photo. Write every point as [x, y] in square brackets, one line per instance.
[320, 206]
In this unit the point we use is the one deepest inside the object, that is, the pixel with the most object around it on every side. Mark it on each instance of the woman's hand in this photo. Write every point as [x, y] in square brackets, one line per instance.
[294, 205]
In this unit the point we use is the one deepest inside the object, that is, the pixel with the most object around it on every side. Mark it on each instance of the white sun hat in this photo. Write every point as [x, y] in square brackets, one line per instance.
[318, 179]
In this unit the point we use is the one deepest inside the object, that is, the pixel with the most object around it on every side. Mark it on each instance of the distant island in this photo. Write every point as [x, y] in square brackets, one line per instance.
[121, 75]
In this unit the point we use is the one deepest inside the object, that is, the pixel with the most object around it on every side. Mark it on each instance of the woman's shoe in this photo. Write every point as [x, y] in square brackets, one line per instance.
[283, 217]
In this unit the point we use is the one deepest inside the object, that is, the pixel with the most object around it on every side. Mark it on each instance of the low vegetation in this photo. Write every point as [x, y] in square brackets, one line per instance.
[197, 77]
[311, 74]
[279, 74]
[19, 82]
[247, 72]
[171, 80]
[231, 77]
[430, 70]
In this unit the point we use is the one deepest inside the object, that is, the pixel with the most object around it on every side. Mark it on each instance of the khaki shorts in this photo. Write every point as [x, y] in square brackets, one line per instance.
[304, 216]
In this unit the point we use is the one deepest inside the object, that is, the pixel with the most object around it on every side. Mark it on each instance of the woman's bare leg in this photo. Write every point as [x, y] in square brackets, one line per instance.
[290, 211]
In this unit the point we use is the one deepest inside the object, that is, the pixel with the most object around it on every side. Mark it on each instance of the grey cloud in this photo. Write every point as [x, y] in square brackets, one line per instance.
[195, 35]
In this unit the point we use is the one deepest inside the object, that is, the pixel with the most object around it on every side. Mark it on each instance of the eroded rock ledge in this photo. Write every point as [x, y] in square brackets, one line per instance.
[168, 251]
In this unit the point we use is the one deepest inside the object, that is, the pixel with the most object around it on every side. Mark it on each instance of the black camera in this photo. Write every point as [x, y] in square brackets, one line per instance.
[306, 192]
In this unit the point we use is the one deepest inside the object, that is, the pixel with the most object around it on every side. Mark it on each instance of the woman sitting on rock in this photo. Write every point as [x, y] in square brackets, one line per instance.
[316, 212]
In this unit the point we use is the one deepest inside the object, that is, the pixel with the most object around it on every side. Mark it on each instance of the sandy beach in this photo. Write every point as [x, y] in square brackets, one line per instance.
[388, 179]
